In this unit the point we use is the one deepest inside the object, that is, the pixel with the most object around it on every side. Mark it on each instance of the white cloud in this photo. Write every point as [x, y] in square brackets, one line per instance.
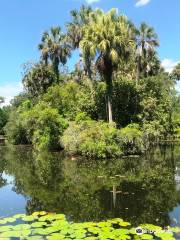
[8, 91]
[92, 1]
[169, 64]
[141, 3]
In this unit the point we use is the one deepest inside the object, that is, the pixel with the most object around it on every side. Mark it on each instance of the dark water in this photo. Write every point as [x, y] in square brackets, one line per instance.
[138, 189]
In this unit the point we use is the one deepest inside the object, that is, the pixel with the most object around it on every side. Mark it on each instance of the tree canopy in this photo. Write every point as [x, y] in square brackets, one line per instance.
[117, 100]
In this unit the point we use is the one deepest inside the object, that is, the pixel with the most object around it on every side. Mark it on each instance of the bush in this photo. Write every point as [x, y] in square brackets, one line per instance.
[152, 132]
[4, 115]
[101, 140]
[44, 125]
[132, 140]
[70, 99]
[92, 139]
[15, 131]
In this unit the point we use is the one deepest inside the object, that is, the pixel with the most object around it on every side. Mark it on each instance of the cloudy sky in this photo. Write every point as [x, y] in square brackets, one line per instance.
[22, 23]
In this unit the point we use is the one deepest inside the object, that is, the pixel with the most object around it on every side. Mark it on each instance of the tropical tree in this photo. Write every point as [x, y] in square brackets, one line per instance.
[55, 48]
[75, 32]
[146, 42]
[176, 72]
[108, 40]
[75, 27]
[154, 64]
[38, 78]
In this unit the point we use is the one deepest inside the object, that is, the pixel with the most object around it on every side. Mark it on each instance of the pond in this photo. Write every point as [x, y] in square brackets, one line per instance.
[138, 189]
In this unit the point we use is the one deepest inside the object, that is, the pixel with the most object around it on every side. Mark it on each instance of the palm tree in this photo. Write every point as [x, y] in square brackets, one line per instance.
[108, 40]
[146, 42]
[75, 32]
[75, 28]
[54, 47]
[153, 64]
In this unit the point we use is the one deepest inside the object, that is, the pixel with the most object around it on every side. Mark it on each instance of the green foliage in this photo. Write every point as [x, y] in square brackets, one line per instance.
[42, 225]
[156, 103]
[71, 98]
[92, 139]
[108, 45]
[132, 141]
[99, 140]
[176, 73]
[4, 115]
[55, 48]
[44, 126]
[38, 78]
[14, 129]
[122, 82]
[82, 117]
[125, 101]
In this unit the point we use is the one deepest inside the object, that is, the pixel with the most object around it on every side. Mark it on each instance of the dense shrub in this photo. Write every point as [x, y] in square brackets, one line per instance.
[101, 140]
[152, 132]
[71, 98]
[15, 132]
[45, 126]
[132, 140]
[125, 101]
[92, 139]
[4, 115]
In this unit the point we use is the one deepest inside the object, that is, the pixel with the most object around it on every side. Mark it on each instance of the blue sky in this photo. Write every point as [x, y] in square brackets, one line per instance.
[23, 21]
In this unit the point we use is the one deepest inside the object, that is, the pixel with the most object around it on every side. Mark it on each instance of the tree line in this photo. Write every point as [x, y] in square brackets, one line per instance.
[117, 98]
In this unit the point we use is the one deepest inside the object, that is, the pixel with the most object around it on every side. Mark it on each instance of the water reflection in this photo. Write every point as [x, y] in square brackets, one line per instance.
[138, 189]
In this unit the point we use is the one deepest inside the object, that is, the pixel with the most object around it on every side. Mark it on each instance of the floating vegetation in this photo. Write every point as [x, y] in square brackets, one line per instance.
[50, 226]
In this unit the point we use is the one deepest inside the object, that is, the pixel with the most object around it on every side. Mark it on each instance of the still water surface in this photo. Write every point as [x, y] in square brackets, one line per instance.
[138, 189]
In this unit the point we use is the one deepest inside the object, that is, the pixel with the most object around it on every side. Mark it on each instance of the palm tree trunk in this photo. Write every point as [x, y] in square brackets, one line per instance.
[110, 110]
[109, 98]
[56, 68]
[88, 66]
[138, 71]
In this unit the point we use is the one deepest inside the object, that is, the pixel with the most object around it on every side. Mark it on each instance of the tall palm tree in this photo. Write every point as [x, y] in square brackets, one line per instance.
[75, 32]
[54, 47]
[146, 42]
[153, 64]
[108, 40]
[75, 28]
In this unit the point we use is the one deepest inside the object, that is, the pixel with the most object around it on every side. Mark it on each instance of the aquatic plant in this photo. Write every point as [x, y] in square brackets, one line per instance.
[51, 226]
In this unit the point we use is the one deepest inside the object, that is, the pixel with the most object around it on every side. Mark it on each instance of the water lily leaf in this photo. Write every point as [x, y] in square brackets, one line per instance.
[29, 218]
[38, 224]
[151, 227]
[56, 236]
[15, 234]
[146, 236]
[120, 232]
[5, 228]
[2, 222]
[17, 216]
[20, 227]
[175, 230]
[164, 235]
[41, 213]
[10, 220]
[34, 238]
[124, 224]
